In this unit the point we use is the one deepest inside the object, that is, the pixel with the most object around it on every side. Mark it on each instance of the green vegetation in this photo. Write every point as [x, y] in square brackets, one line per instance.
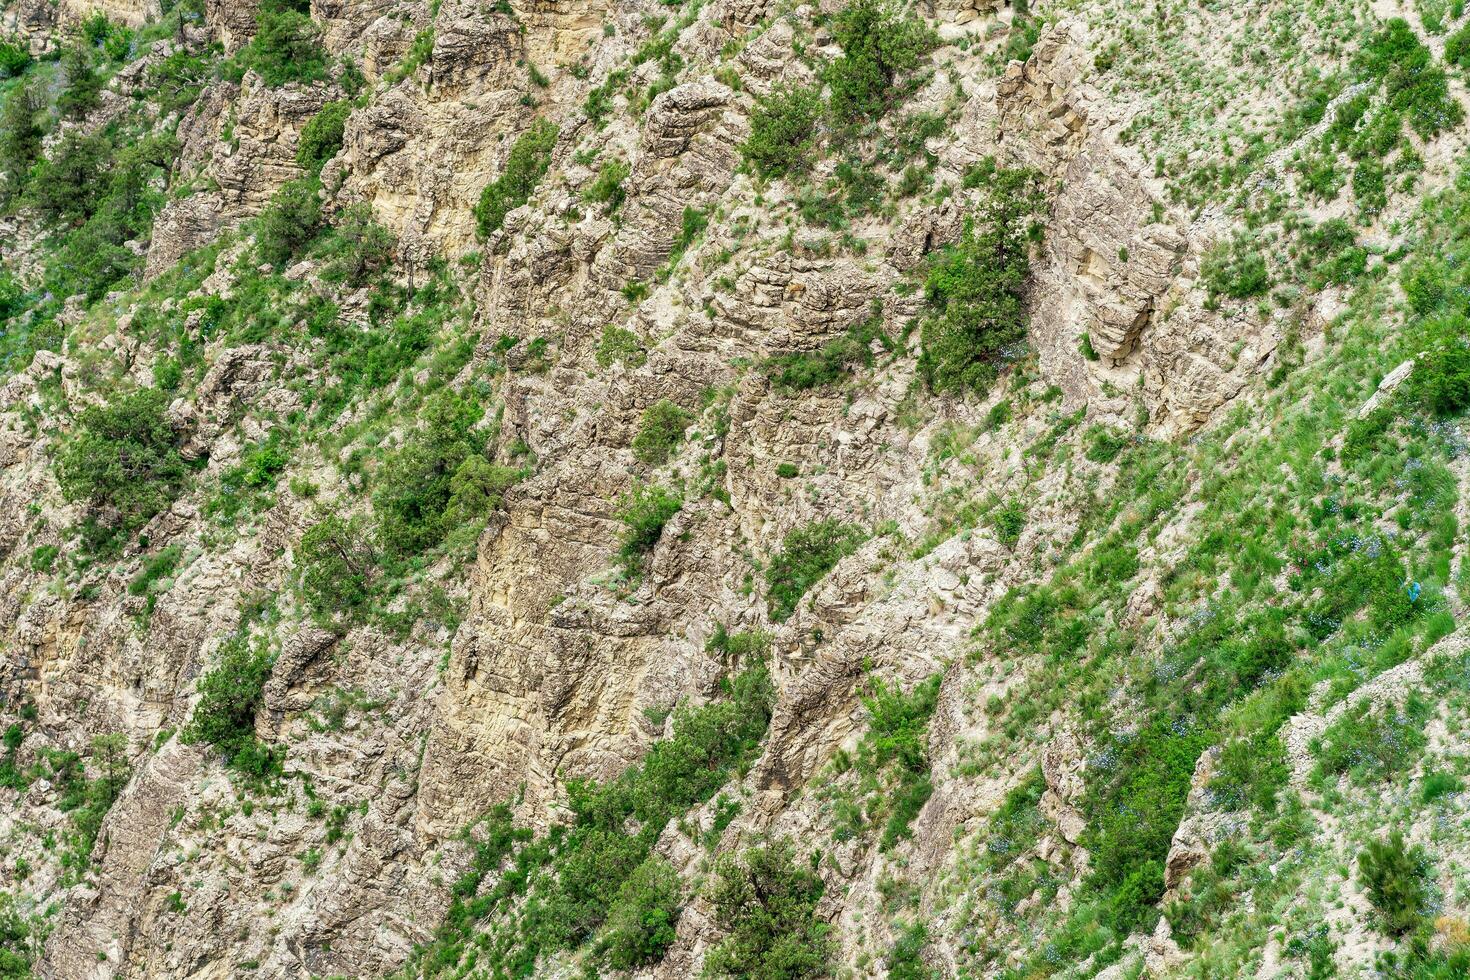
[530, 158]
[123, 462]
[644, 511]
[783, 132]
[807, 554]
[835, 360]
[321, 137]
[337, 567]
[766, 906]
[660, 432]
[287, 46]
[594, 884]
[976, 289]
[882, 44]
[1396, 879]
[620, 345]
[224, 718]
[607, 190]
[290, 222]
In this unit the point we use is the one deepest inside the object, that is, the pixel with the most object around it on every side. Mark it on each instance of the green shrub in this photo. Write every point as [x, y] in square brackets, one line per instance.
[290, 222]
[1413, 83]
[1368, 744]
[43, 558]
[783, 132]
[229, 696]
[660, 432]
[807, 554]
[620, 345]
[835, 360]
[1104, 445]
[1009, 520]
[607, 189]
[83, 91]
[1331, 254]
[644, 511]
[1440, 381]
[528, 162]
[287, 47]
[881, 44]
[1235, 269]
[1396, 879]
[358, 248]
[644, 912]
[905, 961]
[433, 479]
[321, 137]
[20, 137]
[337, 566]
[15, 58]
[976, 289]
[1457, 48]
[1438, 783]
[766, 905]
[123, 460]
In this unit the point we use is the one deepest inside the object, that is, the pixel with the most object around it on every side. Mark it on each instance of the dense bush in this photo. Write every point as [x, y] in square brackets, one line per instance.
[807, 554]
[783, 132]
[767, 907]
[976, 289]
[229, 696]
[1396, 879]
[1440, 381]
[660, 432]
[15, 58]
[528, 162]
[438, 479]
[835, 360]
[358, 248]
[608, 189]
[287, 47]
[644, 511]
[644, 913]
[881, 43]
[290, 222]
[321, 137]
[336, 563]
[20, 137]
[1413, 83]
[83, 89]
[123, 460]
[1235, 269]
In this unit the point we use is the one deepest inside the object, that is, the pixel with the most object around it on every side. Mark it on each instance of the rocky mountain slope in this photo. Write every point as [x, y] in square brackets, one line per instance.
[733, 488]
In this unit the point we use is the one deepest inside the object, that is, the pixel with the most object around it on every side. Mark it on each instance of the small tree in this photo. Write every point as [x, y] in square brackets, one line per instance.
[880, 44]
[660, 431]
[20, 137]
[1394, 876]
[287, 47]
[83, 85]
[528, 162]
[640, 925]
[767, 907]
[783, 132]
[337, 566]
[123, 460]
[229, 697]
[321, 137]
[644, 510]
[290, 221]
[977, 288]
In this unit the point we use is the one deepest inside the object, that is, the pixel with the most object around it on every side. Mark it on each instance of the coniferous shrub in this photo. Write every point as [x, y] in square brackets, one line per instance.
[660, 432]
[337, 565]
[229, 696]
[643, 915]
[528, 162]
[290, 222]
[881, 43]
[287, 47]
[807, 554]
[783, 132]
[123, 460]
[644, 511]
[321, 137]
[976, 289]
[766, 905]
[1395, 876]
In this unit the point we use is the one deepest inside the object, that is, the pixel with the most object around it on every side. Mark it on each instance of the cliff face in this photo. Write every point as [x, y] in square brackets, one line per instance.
[423, 420]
